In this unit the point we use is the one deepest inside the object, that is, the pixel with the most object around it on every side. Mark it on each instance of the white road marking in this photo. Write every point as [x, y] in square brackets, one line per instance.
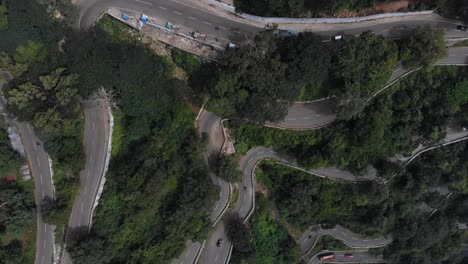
[192, 18]
[250, 160]
[143, 2]
[85, 189]
[237, 32]
[216, 206]
[292, 119]
[42, 259]
[451, 55]
[35, 146]
[221, 28]
[327, 40]
[45, 227]
[42, 195]
[40, 176]
[44, 243]
[385, 30]
[29, 129]
[38, 163]
[208, 23]
[178, 13]
[217, 257]
[81, 207]
[93, 125]
[261, 152]
[162, 7]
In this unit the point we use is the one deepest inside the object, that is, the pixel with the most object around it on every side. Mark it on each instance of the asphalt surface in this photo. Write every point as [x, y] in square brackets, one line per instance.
[96, 137]
[210, 125]
[307, 240]
[358, 257]
[38, 161]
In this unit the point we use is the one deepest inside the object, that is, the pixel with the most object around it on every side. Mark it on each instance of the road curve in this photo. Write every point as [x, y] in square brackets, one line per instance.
[96, 139]
[38, 161]
[351, 239]
[359, 256]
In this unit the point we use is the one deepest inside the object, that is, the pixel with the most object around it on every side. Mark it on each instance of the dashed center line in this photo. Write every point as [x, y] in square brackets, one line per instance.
[208, 23]
[81, 207]
[38, 163]
[162, 7]
[29, 129]
[143, 2]
[192, 18]
[178, 13]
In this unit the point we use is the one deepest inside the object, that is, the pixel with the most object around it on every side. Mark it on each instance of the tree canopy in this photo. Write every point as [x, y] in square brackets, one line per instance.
[422, 47]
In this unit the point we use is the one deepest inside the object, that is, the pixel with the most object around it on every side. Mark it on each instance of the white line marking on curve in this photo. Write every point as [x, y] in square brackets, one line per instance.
[178, 13]
[208, 23]
[192, 18]
[143, 2]
[162, 7]
[29, 129]
[38, 163]
[40, 176]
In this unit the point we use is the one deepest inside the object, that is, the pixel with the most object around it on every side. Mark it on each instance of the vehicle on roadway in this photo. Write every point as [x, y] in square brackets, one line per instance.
[462, 27]
[219, 242]
[338, 37]
[327, 256]
[348, 256]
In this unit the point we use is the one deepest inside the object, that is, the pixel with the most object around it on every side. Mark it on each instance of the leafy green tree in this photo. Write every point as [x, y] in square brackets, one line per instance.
[249, 82]
[33, 52]
[228, 169]
[3, 17]
[24, 95]
[92, 249]
[13, 69]
[238, 233]
[363, 66]
[422, 47]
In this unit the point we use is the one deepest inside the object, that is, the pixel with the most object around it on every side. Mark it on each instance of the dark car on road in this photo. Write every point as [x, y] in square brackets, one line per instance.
[462, 27]
[219, 242]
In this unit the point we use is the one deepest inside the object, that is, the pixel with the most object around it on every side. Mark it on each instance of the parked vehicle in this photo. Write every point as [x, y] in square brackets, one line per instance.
[169, 25]
[338, 37]
[348, 256]
[327, 256]
[462, 27]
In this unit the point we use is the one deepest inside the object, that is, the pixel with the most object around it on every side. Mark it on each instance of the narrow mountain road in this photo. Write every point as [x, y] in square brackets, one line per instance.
[96, 140]
[38, 161]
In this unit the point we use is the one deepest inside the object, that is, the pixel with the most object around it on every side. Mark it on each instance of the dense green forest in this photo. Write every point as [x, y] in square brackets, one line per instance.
[412, 111]
[158, 193]
[268, 240]
[323, 8]
[45, 92]
[371, 208]
[259, 80]
[17, 207]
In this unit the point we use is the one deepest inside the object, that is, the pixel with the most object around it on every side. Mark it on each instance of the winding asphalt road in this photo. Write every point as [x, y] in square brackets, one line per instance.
[38, 161]
[358, 257]
[351, 239]
[96, 139]
[301, 116]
